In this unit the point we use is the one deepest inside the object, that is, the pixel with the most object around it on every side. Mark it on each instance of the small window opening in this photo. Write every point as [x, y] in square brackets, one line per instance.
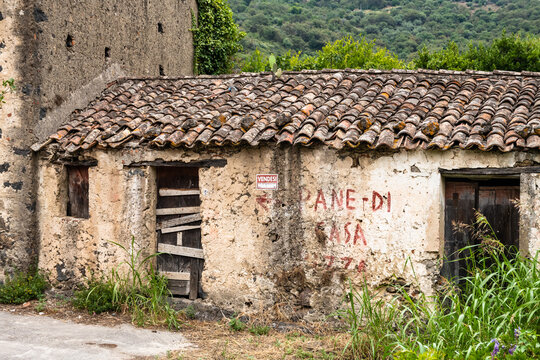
[69, 41]
[161, 71]
[160, 28]
[77, 205]
[496, 199]
[107, 52]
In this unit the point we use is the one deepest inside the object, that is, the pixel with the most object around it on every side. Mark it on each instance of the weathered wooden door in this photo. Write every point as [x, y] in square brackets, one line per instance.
[179, 229]
[494, 199]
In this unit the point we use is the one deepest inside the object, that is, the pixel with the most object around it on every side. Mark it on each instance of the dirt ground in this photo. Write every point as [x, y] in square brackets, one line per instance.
[214, 339]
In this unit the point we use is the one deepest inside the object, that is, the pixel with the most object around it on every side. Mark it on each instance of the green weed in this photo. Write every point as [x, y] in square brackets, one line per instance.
[259, 330]
[41, 305]
[236, 324]
[23, 287]
[189, 312]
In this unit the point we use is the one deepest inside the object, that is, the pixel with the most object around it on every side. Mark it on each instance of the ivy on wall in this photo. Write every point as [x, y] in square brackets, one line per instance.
[216, 38]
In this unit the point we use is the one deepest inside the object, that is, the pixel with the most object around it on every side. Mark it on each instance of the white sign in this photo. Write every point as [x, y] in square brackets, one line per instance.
[267, 181]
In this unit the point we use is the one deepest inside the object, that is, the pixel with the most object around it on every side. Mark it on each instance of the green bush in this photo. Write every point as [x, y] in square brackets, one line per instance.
[507, 52]
[23, 287]
[349, 52]
[96, 296]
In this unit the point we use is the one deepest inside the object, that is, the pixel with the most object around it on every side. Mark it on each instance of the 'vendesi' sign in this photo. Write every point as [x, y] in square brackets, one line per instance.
[267, 181]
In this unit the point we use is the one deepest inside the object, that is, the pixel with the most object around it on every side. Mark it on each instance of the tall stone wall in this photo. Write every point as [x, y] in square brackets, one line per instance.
[62, 54]
[336, 216]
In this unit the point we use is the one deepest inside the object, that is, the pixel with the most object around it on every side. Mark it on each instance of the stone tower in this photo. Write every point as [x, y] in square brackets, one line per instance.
[61, 55]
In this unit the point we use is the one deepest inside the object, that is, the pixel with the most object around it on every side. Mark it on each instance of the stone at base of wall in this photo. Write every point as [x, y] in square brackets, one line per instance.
[205, 311]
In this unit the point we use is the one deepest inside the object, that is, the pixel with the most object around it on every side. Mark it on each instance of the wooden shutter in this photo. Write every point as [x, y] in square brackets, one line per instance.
[77, 191]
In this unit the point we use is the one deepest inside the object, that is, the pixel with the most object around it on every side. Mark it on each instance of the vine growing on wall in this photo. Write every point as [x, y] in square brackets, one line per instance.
[216, 37]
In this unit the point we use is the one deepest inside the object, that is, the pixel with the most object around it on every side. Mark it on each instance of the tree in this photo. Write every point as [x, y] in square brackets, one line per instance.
[216, 37]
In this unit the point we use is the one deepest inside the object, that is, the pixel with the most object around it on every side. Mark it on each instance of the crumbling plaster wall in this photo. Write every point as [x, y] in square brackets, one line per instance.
[336, 216]
[61, 55]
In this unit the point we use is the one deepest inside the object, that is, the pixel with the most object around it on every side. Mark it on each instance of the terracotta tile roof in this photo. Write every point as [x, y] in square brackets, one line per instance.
[350, 108]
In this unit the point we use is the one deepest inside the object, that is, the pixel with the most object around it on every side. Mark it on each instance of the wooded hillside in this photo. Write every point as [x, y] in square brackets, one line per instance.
[402, 26]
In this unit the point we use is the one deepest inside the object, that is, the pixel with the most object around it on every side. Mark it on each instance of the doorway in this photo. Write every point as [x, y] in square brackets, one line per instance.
[495, 199]
[178, 225]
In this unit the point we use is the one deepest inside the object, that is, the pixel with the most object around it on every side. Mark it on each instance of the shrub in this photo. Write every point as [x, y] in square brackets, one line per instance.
[23, 287]
[96, 296]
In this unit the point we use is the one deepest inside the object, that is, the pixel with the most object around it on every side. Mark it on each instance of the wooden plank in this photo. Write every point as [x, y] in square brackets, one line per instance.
[179, 221]
[177, 287]
[181, 250]
[491, 171]
[179, 239]
[178, 192]
[196, 164]
[194, 279]
[179, 228]
[175, 275]
[178, 211]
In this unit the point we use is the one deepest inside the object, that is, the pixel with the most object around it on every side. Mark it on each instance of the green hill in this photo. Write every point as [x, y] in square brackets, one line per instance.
[402, 26]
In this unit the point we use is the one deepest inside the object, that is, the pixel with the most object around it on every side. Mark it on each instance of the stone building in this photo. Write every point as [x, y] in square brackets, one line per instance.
[372, 169]
[61, 55]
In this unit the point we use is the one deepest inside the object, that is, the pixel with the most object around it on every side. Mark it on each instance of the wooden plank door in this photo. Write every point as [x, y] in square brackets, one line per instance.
[179, 229]
[494, 199]
[459, 209]
[496, 202]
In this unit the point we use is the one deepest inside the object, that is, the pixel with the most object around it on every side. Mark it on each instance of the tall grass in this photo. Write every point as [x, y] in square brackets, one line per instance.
[493, 313]
[140, 291]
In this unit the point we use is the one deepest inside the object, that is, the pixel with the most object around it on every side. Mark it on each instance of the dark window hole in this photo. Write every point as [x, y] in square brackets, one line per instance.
[160, 28]
[107, 52]
[69, 41]
[161, 72]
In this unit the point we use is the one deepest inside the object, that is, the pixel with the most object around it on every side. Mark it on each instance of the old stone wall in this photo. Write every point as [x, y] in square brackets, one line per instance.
[62, 54]
[335, 217]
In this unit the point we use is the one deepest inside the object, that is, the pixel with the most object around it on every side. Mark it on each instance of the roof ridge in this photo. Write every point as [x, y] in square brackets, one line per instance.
[442, 72]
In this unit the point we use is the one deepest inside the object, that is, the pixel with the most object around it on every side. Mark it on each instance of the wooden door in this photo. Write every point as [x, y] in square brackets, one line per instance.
[179, 229]
[494, 199]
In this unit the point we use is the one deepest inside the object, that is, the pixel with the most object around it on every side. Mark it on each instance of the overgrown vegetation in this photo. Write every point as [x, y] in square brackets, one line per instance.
[23, 287]
[402, 26]
[494, 312]
[138, 290]
[216, 37]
